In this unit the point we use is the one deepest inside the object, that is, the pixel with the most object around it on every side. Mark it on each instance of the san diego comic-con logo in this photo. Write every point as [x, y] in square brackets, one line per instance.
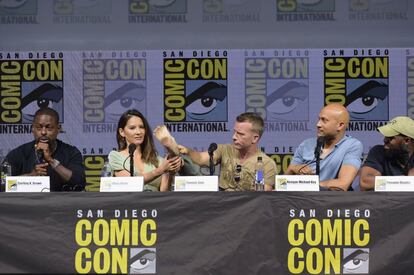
[368, 10]
[93, 160]
[282, 162]
[18, 12]
[157, 11]
[116, 241]
[231, 11]
[110, 87]
[82, 12]
[360, 83]
[305, 10]
[328, 241]
[27, 85]
[195, 93]
[278, 89]
[410, 84]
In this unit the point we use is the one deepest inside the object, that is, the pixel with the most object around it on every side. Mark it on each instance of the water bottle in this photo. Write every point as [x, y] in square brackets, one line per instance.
[5, 171]
[106, 170]
[258, 178]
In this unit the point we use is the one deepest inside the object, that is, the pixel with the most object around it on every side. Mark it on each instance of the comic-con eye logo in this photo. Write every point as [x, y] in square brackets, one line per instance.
[18, 7]
[278, 88]
[367, 100]
[27, 85]
[207, 102]
[121, 97]
[143, 261]
[356, 260]
[112, 86]
[288, 101]
[360, 84]
[157, 6]
[195, 90]
[41, 95]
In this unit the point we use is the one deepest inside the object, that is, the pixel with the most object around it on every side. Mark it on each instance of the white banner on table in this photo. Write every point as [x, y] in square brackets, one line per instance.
[27, 184]
[297, 183]
[394, 183]
[196, 183]
[122, 184]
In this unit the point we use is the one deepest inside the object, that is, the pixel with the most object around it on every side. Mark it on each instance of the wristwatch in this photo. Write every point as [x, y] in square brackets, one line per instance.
[55, 163]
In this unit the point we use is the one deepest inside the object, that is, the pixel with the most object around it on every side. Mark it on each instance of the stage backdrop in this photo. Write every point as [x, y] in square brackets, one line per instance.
[208, 233]
[198, 94]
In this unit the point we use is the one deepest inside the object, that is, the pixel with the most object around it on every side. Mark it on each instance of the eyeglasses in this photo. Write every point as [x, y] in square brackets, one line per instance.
[237, 171]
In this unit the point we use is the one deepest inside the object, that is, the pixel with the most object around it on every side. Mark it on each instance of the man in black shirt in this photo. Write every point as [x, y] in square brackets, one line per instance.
[395, 157]
[48, 156]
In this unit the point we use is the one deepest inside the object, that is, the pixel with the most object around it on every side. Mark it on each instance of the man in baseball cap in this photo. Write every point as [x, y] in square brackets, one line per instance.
[395, 157]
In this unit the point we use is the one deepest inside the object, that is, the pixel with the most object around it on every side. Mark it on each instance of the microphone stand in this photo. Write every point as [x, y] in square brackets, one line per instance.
[319, 145]
[211, 149]
[318, 162]
[212, 167]
[131, 164]
[131, 148]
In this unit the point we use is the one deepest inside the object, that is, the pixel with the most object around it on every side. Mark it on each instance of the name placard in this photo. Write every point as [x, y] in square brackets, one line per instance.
[196, 183]
[122, 184]
[297, 183]
[27, 184]
[394, 183]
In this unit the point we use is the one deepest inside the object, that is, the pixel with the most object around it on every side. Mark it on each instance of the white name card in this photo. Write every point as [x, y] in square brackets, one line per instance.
[196, 183]
[28, 184]
[122, 184]
[297, 183]
[394, 183]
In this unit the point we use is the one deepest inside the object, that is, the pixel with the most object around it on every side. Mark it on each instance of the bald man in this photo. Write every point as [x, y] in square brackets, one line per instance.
[340, 157]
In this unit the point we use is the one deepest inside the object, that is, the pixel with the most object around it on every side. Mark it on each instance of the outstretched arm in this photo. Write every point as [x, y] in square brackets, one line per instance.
[199, 158]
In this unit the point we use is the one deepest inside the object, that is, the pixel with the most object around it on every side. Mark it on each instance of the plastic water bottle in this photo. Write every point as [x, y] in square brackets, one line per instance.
[258, 179]
[5, 171]
[106, 170]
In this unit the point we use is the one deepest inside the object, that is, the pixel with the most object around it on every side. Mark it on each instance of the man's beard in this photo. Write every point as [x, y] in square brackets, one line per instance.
[398, 154]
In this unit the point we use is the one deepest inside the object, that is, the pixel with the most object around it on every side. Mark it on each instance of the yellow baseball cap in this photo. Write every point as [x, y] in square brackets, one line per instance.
[398, 125]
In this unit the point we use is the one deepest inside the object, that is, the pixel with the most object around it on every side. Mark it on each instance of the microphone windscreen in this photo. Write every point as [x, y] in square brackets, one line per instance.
[132, 148]
[320, 141]
[319, 144]
[212, 148]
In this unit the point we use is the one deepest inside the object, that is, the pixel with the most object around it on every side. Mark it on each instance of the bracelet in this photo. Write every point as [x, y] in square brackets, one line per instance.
[55, 163]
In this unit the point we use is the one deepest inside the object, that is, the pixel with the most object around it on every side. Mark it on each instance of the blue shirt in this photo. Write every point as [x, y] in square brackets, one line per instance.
[348, 151]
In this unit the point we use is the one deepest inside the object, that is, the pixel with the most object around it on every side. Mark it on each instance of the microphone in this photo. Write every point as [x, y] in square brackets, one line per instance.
[211, 149]
[320, 141]
[131, 149]
[40, 156]
[319, 145]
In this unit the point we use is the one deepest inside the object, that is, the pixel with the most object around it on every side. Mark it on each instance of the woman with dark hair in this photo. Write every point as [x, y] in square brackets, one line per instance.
[133, 128]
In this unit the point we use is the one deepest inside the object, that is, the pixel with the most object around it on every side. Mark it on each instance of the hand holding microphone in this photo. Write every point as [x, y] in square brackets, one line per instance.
[40, 156]
[41, 165]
